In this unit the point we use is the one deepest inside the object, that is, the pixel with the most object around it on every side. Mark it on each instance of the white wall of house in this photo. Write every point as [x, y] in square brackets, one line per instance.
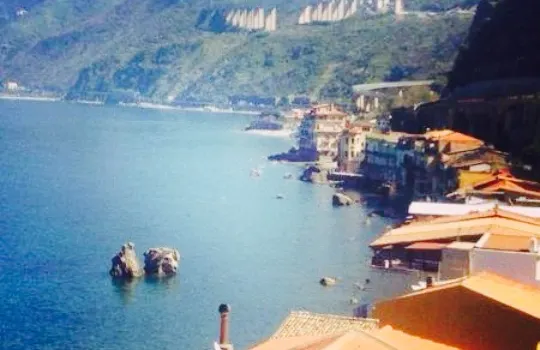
[523, 267]
[480, 168]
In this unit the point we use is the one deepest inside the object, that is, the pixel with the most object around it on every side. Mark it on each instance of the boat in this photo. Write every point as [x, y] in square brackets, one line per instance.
[255, 172]
[288, 176]
[280, 196]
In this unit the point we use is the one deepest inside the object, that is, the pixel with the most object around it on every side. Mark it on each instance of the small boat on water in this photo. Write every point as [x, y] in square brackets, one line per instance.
[255, 172]
[280, 196]
[288, 176]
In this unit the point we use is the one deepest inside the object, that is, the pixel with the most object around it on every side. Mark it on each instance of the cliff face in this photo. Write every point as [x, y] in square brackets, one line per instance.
[494, 86]
[503, 43]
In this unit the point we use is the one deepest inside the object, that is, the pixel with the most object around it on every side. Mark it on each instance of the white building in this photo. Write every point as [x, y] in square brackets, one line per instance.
[12, 86]
[352, 143]
[321, 128]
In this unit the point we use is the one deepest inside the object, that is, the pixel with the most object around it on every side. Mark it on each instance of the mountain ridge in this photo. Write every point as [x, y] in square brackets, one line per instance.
[155, 50]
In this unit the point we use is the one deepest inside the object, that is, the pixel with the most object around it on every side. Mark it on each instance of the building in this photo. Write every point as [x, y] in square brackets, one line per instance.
[381, 158]
[12, 86]
[419, 245]
[320, 129]
[310, 331]
[437, 174]
[512, 256]
[499, 186]
[431, 163]
[352, 143]
[252, 19]
[481, 312]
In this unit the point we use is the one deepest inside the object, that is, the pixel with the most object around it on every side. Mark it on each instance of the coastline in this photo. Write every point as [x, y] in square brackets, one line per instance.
[144, 105]
[147, 105]
[29, 98]
[284, 133]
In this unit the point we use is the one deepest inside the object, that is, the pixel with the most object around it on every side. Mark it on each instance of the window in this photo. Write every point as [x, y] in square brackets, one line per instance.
[352, 140]
[346, 154]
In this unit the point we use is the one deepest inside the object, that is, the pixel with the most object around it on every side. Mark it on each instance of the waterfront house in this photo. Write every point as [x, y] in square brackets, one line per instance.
[437, 162]
[352, 142]
[320, 129]
[380, 164]
[481, 312]
[310, 331]
[498, 186]
[419, 245]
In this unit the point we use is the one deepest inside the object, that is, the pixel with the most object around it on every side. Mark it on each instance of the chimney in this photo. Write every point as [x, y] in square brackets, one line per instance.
[429, 282]
[224, 310]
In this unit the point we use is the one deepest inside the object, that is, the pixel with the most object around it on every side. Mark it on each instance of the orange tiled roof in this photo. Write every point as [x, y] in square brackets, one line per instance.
[451, 136]
[386, 338]
[426, 246]
[505, 182]
[470, 225]
[302, 323]
[520, 297]
[497, 241]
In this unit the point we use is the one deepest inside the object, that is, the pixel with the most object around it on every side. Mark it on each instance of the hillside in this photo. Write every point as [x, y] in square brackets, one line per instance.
[158, 50]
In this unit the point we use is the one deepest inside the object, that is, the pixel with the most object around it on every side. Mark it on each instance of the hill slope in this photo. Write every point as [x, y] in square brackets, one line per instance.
[155, 50]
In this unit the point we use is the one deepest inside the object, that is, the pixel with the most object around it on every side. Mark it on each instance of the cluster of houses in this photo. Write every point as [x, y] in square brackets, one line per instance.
[468, 214]
[473, 228]
[482, 311]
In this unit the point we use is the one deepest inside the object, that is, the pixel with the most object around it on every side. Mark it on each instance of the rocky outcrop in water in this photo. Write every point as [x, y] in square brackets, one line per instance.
[339, 199]
[125, 264]
[328, 281]
[161, 261]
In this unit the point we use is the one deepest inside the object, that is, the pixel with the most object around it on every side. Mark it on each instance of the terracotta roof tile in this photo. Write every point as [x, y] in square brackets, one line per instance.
[302, 323]
[426, 246]
[471, 225]
[386, 338]
[451, 136]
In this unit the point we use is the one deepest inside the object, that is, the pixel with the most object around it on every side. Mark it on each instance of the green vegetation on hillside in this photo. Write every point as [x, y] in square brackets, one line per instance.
[158, 50]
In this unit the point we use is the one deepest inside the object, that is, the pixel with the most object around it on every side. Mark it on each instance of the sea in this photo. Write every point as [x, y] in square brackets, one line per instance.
[78, 181]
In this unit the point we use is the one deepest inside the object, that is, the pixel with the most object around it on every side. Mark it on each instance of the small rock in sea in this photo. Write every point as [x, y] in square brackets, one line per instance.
[327, 281]
[125, 264]
[368, 281]
[360, 286]
[353, 301]
[161, 261]
[339, 199]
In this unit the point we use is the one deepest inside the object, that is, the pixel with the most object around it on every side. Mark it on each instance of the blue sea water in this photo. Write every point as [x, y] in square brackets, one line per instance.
[76, 182]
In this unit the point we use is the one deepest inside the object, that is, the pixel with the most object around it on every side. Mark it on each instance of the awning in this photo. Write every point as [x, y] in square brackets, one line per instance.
[426, 246]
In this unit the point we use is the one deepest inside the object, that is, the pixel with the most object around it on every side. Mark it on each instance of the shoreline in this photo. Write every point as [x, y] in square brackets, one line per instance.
[271, 133]
[147, 105]
[143, 105]
[29, 98]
